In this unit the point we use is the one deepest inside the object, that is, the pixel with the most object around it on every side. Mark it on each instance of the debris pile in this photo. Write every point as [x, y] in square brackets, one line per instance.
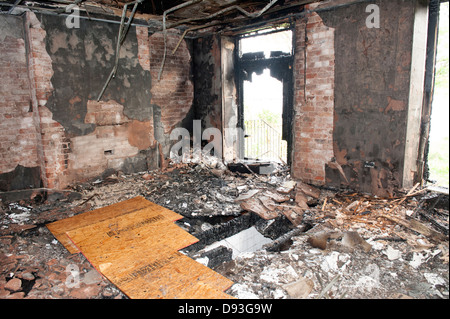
[360, 247]
[324, 243]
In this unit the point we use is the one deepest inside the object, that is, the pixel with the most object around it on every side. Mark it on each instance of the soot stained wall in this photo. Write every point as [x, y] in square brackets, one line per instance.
[66, 135]
[19, 165]
[82, 59]
[372, 71]
[207, 79]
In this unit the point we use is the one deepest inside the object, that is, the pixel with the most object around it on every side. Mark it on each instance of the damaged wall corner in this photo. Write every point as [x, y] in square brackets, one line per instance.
[71, 136]
[369, 102]
[416, 95]
[207, 81]
[19, 163]
[314, 96]
[231, 140]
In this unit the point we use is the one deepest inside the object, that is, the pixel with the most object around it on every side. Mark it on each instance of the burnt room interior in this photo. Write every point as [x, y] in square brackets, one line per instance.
[142, 155]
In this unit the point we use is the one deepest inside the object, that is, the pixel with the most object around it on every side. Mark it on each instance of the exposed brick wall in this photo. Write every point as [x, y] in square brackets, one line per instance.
[174, 92]
[313, 99]
[53, 146]
[143, 47]
[116, 134]
[18, 135]
[115, 139]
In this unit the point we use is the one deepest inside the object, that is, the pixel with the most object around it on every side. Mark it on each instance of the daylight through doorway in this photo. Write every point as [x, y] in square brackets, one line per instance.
[263, 109]
[265, 89]
[438, 154]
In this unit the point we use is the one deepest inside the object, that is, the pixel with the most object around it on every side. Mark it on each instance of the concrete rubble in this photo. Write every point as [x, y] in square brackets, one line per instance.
[336, 244]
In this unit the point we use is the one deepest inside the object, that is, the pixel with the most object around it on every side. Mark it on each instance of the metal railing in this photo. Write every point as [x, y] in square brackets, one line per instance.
[263, 142]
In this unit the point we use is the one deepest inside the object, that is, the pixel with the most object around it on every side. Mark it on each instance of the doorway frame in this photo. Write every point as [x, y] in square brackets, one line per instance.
[281, 68]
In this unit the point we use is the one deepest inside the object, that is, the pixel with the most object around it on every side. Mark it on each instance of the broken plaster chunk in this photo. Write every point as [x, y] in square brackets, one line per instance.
[419, 258]
[353, 240]
[203, 260]
[299, 289]
[286, 187]
[335, 262]
[278, 274]
[370, 278]
[243, 292]
[392, 253]
[434, 279]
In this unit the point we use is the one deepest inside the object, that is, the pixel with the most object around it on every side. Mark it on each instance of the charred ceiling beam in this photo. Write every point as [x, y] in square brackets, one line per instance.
[250, 15]
[247, 14]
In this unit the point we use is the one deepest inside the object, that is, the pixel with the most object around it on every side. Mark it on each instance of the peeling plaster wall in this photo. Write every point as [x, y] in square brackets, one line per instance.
[207, 79]
[76, 137]
[371, 95]
[19, 164]
[352, 132]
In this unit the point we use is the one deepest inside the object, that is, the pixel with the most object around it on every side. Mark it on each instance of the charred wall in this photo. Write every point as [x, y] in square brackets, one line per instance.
[351, 94]
[372, 72]
[62, 130]
[19, 165]
[81, 60]
[207, 80]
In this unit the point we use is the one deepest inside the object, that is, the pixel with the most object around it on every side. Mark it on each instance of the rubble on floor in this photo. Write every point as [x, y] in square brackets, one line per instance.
[353, 251]
[314, 243]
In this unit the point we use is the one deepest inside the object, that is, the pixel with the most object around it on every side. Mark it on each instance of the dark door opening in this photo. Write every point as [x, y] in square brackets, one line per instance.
[264, 72]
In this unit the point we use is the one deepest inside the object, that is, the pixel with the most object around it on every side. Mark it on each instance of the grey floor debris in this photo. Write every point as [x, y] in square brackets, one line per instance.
[340, 245]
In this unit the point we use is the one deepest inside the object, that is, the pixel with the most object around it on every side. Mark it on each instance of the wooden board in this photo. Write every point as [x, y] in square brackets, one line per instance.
[171, 276]
[254, 205]
[129, 236]
[135, 245]
[59, 228]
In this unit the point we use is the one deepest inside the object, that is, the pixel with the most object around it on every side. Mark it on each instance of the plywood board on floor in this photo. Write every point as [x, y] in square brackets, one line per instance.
[135, 245]
[170, 276]
[134, 236]
[61, 227]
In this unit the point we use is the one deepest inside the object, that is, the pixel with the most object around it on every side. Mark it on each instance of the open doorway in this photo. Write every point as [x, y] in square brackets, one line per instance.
[263, 110]
[438, 153]
[265, 98]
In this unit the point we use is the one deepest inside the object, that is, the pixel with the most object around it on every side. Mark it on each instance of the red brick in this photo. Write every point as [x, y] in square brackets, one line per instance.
[313, 99]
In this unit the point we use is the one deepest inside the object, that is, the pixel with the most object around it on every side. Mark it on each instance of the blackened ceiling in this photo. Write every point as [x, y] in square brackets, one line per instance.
[187, 14]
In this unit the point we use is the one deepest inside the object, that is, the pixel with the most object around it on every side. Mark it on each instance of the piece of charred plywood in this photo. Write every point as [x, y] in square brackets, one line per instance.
[137, 231]
[169, 276]
[59, 228]
[135, 245]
